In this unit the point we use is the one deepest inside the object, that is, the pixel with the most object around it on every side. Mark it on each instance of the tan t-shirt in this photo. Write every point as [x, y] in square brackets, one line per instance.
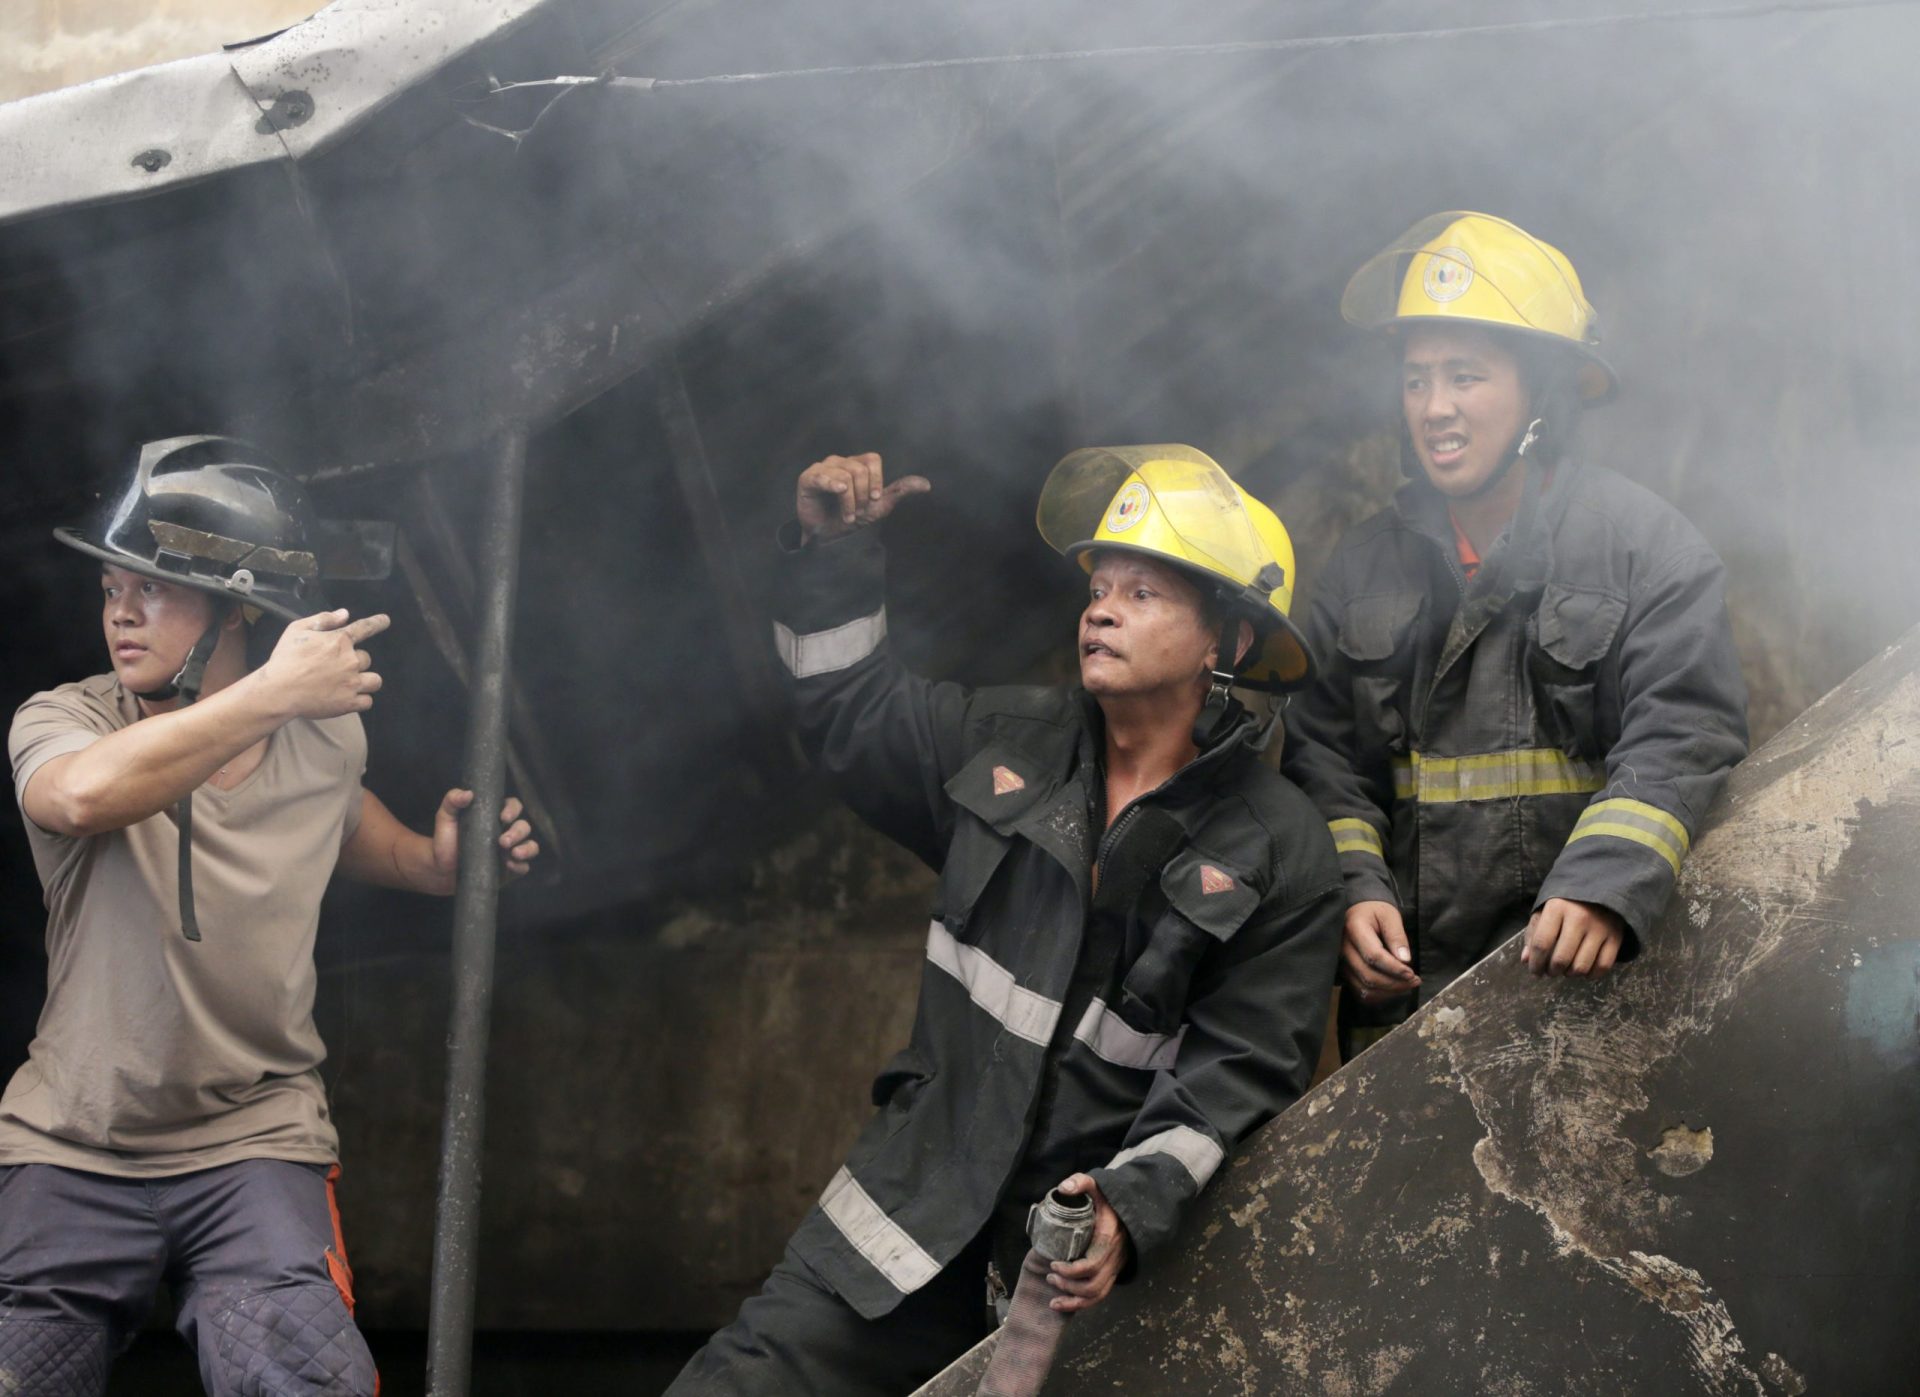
[158, 1055]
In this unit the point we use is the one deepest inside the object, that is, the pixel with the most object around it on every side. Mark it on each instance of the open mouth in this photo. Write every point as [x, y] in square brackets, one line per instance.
[1447, 450]
[1094, 647]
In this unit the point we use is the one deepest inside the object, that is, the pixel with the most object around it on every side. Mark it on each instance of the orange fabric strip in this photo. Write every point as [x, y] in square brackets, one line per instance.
[1469, 556]
[337, 1264]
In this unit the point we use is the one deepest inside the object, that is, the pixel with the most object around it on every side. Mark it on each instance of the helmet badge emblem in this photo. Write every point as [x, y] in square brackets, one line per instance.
[1129, 508]
[1448, 274]
[1006, 781]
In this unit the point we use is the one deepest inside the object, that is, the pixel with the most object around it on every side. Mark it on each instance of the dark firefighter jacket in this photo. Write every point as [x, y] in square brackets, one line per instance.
[1137, 1035]
[1556, 727]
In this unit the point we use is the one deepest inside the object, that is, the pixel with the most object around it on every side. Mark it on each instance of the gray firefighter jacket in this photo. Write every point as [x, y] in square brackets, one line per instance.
[1137, 1033]
[1555, 727]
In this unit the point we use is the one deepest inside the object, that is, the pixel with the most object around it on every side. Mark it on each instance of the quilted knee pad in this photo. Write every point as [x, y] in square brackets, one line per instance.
[290, 1341]
[48, 1358]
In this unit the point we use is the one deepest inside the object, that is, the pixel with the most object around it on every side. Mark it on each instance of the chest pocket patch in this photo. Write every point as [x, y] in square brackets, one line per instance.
[1573, 632]
[1207, 901]
[997, 788]
[1377, 637]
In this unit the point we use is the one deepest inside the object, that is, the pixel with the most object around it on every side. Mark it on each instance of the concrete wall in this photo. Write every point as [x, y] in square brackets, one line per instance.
[46, 44]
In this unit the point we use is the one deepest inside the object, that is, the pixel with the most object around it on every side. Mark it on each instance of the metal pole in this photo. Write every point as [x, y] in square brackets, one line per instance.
[475, 908]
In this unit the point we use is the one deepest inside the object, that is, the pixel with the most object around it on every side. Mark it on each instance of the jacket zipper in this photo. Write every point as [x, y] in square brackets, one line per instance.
[1125, 817]
[1112, 836]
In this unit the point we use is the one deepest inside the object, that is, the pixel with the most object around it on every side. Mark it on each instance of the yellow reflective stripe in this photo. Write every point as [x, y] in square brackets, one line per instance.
[1637, 812]
[1356, 837]
[1638, 822]
[1524, 771]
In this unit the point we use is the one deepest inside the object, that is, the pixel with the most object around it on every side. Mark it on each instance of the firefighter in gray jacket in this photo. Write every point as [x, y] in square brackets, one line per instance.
[1135, 925]
[1529, 694]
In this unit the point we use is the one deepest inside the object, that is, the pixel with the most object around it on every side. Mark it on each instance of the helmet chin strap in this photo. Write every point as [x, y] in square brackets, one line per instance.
[1221, 712]
[186, 686]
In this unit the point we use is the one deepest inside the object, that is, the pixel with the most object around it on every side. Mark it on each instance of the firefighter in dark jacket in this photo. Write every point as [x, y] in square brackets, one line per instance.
[1135, 924]
[1529, 694]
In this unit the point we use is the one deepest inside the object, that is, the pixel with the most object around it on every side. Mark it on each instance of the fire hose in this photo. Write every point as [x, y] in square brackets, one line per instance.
[1060, 1228]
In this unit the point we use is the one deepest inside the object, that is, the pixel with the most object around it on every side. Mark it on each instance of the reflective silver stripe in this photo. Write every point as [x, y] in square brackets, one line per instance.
[991, 985]
[882, 1241]
[1115, 1040]
[1524, 771]
[823, 652]
[1356, 837]
[1637, 822]
[1194, 1150]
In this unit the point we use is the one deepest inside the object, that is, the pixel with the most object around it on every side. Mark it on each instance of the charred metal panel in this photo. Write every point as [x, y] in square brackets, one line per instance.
[1694, 1176]
[287, 97]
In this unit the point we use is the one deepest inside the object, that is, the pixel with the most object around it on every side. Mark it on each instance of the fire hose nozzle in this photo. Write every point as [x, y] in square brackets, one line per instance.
[1060, 1226]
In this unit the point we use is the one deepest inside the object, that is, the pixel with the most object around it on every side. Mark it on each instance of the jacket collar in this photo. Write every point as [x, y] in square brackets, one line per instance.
[1243, 741]
[1521, 559]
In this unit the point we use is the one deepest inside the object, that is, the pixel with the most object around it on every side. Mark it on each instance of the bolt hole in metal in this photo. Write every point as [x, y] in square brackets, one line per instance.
[288, 110]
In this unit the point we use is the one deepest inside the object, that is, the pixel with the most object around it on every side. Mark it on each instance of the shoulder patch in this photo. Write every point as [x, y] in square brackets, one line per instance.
[1213, 881]
[1006, 781]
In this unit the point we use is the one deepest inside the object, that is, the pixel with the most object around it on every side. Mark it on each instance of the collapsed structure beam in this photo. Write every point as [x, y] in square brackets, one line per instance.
[475, 917]
[741, 621]
[530, 761]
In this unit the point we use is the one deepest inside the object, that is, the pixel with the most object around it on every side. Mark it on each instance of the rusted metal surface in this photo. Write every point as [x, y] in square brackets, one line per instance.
[1694, 1176]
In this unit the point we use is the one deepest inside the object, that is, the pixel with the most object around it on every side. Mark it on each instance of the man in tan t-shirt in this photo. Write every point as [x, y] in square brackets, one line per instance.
[170, 1120]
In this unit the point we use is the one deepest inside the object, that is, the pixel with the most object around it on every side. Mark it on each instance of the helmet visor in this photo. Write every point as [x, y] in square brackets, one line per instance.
[1170, 500]
[1175, 503]
[1473, 269]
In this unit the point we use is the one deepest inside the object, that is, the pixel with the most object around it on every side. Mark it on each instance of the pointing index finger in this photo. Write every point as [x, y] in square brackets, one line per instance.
[368, 626]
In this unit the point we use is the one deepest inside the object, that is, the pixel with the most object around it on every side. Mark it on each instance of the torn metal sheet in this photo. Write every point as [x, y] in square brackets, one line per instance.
[1693, 1176]
[290, 96]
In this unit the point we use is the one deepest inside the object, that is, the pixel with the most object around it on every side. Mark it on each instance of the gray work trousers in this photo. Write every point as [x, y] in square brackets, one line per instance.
[251, 1251]
[796, 1338]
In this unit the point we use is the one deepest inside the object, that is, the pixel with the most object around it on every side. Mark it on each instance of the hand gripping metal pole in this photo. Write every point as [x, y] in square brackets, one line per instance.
[475, 908]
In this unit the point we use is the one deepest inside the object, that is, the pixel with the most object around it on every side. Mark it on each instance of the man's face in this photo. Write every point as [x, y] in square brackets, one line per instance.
[1143, 630]
[150, 626]
[1465, 404]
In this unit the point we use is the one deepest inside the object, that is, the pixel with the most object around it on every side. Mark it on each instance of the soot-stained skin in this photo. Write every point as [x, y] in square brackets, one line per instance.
[1695, 1176]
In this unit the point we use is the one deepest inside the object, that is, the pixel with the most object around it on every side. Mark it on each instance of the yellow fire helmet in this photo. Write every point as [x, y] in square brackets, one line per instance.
[1472, 267]
[1177, 504]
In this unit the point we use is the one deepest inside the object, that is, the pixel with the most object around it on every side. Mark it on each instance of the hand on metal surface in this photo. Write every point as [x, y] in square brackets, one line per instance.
[843, 493]
[1375, 958]
[1086, 1282]
[518, 848]
[318, 670]
[1573, 938]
